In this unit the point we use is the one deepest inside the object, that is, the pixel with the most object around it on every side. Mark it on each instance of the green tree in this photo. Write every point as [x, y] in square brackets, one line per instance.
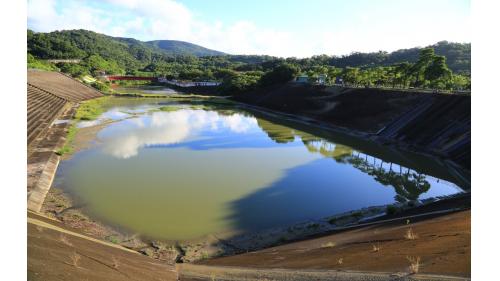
[351, 75]
[402, 72]
[96, 63]
[425, 59]
[284, 72]
[438, 72]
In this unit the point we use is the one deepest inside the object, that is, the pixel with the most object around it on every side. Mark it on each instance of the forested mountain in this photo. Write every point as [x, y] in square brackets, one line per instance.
[126, 52]
[130, 53]
[457, 56]
[444, 65]
[174, 47]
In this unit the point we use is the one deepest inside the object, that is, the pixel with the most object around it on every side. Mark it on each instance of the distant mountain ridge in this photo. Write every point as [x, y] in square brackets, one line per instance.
[131, 53]
[127, 52]
[181, 47]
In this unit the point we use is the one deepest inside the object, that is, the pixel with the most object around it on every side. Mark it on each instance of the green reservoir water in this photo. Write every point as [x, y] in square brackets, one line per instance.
[196, 169]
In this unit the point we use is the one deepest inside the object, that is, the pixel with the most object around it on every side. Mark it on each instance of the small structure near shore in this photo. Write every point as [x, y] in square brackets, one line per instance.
[189, 83]
[317, 80]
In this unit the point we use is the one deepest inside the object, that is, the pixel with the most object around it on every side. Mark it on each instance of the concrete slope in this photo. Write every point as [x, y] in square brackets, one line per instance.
[61, 85]
[56, 252]
[424, 122]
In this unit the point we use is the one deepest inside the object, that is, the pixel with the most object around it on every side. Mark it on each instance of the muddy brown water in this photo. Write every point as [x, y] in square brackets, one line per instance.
[179, 170]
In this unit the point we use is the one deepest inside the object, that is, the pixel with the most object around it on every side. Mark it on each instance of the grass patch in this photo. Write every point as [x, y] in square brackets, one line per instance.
[169, 108]
[204, 255]
[112, 238]
[137, 95]
[91, 109]
[68, 145]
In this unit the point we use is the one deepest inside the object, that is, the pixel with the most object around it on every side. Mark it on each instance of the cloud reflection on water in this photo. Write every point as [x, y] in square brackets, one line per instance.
[123, 139]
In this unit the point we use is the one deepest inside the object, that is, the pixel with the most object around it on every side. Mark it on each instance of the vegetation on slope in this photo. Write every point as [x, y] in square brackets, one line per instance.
[68, 144]
[40, 64]
[447, 66]
[88, 110]
[174, 47]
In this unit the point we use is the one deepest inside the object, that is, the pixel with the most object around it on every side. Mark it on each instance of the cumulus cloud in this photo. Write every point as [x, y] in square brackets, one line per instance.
[43, 15]
[158, 19]
[365, 30]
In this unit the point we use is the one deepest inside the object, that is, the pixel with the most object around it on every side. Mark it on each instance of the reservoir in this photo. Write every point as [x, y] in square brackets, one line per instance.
[183, 169]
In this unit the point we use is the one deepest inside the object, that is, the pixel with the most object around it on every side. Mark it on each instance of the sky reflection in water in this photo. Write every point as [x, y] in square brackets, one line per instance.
[191, 172]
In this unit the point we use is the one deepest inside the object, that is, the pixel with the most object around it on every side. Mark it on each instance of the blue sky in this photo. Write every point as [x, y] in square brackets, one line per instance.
[279, 27]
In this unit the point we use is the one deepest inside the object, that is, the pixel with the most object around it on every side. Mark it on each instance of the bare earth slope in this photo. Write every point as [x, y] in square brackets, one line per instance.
[60, 253]
[442, 244]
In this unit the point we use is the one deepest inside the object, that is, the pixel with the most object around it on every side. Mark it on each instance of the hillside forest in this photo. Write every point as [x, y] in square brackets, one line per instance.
[443, 66]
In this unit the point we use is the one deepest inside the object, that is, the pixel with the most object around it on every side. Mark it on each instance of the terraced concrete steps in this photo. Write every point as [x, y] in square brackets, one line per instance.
[61, 85]
[43, 108]
[50, 95]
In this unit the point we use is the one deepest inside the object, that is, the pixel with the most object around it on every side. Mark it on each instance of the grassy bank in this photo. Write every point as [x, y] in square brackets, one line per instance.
[88, 110]
[91, 109]
[68, 147]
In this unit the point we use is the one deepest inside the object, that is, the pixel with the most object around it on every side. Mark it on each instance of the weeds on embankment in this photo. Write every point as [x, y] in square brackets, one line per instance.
[75, 259]
[88, 110]
[328, 245]
[68, 144]
[91, 109]
[414, 266]
[410, 235]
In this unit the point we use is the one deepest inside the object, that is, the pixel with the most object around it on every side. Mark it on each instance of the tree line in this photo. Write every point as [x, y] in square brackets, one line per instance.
[420, 68]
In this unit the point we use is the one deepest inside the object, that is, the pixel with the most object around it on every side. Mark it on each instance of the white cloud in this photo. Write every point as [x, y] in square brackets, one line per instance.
[160, 19]
[43, 16]
[169, 19]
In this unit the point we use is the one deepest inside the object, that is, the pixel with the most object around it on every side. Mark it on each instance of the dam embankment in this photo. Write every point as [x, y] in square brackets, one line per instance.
[438, 124]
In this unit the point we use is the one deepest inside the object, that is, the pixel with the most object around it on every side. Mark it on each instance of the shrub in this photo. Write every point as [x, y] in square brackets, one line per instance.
[391, 210]
[280, 74]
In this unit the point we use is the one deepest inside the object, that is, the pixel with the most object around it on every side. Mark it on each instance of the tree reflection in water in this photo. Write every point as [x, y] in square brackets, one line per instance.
[408, 185]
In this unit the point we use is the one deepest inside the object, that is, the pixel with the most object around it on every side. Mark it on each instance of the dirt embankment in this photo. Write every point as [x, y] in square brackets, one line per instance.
[439, 245]
[432, 123]
[58, 252]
